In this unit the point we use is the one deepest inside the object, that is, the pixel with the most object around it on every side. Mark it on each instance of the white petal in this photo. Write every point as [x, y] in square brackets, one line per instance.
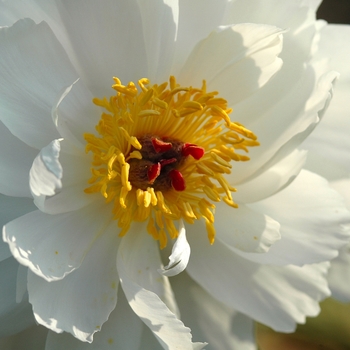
[270, 180]
[235, 60]
[180, 254]
[245, 229]
[196, 22]
[300, 90]
[58, 178]
[29, 85]
[55, 245]
[46, 172]
[122, 331]
[101, 37]
[292, 119]
[275, 296]
[159, 21]
[74, 114]
[330, 141]
[14, 317]
[339, 276]
[312, 230]
[11, 208]
[169, 330]
[82, 301]
[15, 161]
[339, 273]
[220, 326]
[144, 259]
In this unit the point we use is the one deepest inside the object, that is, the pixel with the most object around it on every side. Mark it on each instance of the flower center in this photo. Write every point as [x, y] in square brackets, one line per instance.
[161, 155]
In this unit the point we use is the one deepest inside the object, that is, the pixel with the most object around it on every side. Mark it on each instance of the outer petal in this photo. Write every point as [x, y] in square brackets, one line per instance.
[159, 22]
[245, 229]
[11, 208]
[196, 22]
[169, 331]
[235, 60]
[122, 331]
[29, 86]
[101, 37]
[82, 301]
[339, 273]
[14, 317]
[300, 90]
[54, 245]
[180, 255]
[312, 230]
[330, 141]
[46, 172]
[15, 161]
[272, 180]
[220, 326]
[57, 179]
[276, 296]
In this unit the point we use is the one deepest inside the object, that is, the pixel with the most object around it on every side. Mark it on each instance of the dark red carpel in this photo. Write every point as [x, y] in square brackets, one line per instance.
[177, 180]
[154, 172]
[161, 146]
[195, 151]
[164, 162]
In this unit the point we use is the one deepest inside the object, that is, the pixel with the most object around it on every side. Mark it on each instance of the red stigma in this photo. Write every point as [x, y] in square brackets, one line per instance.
[164, 162]
[195, 151]
[153, 172]
[161, 146]
[177, 180]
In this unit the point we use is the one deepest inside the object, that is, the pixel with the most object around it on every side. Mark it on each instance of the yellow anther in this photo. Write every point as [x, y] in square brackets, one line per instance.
[148, 113]
[135, 155]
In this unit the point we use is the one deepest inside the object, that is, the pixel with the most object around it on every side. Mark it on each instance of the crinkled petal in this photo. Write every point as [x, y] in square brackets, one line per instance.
[301, 89]
[11, 208]
[180, 254]
[330, 141]
[245, 229]
[313, 220]
[14, 317]
[54, 245]
[58, 178]
[235, 60]
[276, 296]
[46, 172]
[29, 86]
[220, 326]
[159, 22]
[144, 259]
[82, 301]
[15, 161]
[122, 331]
[101, 38]
[169, 330]
[339, 273]
[272, 180]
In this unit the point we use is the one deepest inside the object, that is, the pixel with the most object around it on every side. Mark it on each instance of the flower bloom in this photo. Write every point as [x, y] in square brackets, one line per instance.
[165, 129]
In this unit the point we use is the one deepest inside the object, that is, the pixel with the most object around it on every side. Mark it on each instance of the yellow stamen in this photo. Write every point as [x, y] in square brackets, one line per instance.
[193, 116]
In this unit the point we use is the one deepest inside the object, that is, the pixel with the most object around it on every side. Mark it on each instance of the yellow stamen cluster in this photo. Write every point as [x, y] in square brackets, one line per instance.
[188, 114]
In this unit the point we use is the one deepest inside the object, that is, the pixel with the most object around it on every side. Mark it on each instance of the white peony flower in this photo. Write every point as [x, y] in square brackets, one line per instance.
[156, 167]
